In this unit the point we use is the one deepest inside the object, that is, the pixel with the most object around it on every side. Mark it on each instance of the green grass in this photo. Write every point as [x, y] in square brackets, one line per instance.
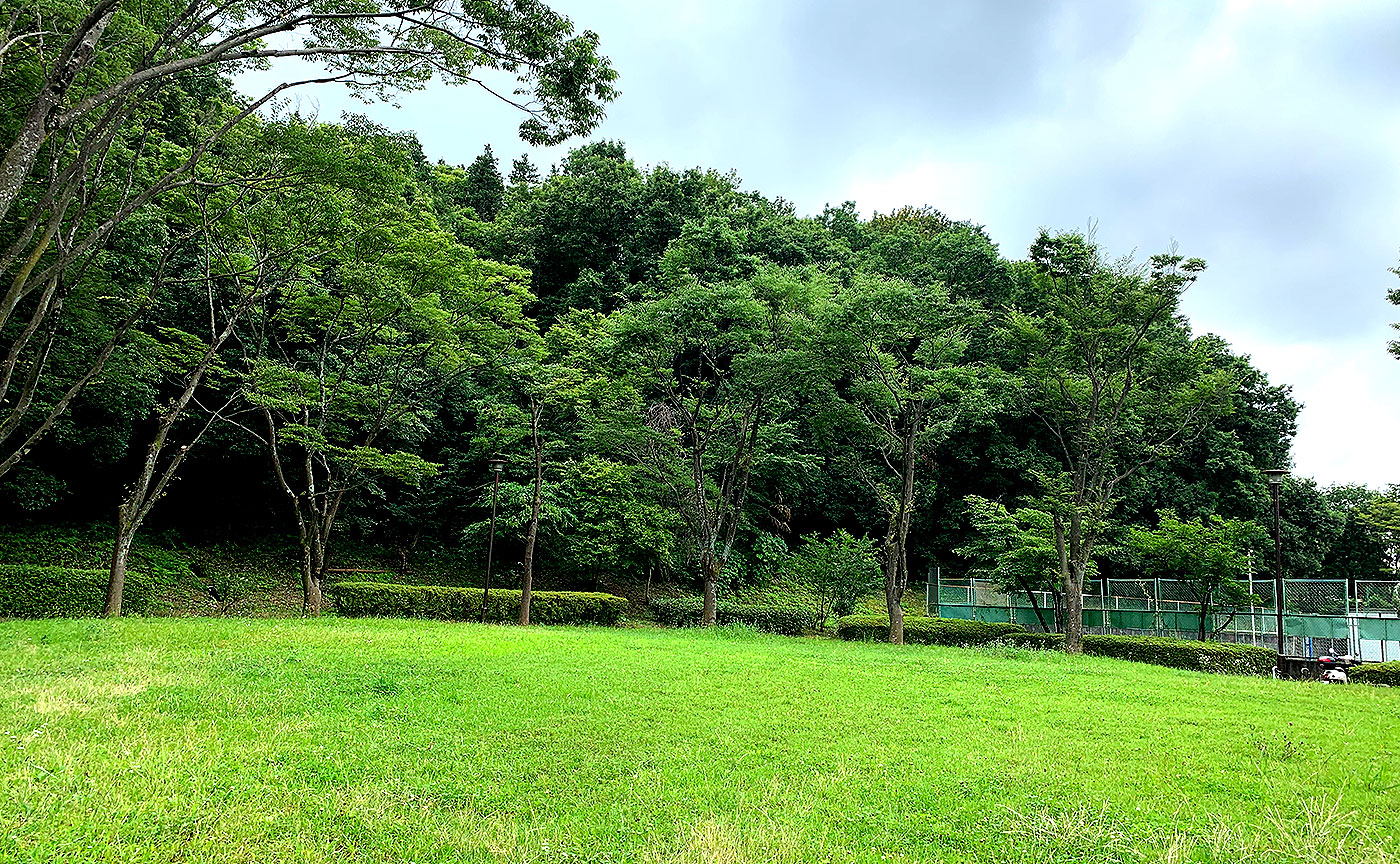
[334, 740]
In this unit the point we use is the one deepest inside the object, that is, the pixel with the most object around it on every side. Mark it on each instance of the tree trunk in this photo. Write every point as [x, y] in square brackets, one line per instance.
[1072, 575]
[310, 584]
[893, 593]
[116, 574]
[1074, 614]
[709, 569]
[527, 582]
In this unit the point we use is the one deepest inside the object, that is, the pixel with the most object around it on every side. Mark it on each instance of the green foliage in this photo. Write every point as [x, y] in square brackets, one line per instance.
[384, 600]
[1190, 654]
[1208, 555]
[29, 591]
[1387, 674]
[839, 570]
[924, 631]
[1015, 549]
[685, 612]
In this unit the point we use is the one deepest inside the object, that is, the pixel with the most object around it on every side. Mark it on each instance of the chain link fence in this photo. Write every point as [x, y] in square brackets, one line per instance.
[1321, 617]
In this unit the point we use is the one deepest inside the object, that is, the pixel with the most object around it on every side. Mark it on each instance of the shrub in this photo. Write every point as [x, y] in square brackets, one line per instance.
[839, 569]
[1038, 641]
[386, 600]
[924, 631]
[769, 618]
[1159, 651]
[28, 591]
[1377, 673]
[1185, 653]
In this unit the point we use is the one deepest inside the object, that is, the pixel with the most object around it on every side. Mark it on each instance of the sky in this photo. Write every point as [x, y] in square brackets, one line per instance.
[1263, 137]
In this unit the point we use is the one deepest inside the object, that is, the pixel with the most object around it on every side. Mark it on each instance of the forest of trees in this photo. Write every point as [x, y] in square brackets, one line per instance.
[225, 321]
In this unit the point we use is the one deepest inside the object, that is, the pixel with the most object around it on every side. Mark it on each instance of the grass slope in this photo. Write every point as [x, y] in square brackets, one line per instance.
[334, 740]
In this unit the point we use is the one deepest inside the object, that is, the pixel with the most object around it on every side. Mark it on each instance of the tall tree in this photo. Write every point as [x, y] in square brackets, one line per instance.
[351, 362]
[245, 230]
[904, 388]
[1096, 375]
[86, 143]
[483, 189]
[714, 364]
[523, 172]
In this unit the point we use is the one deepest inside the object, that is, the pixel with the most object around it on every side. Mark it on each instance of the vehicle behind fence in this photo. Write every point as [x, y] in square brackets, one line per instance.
[1321, 616]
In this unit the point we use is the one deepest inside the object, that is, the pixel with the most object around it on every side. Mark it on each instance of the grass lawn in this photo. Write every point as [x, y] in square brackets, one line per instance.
[335, 740]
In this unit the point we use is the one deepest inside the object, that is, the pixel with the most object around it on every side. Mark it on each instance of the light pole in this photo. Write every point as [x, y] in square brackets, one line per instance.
[1276, 476]
[497, 465]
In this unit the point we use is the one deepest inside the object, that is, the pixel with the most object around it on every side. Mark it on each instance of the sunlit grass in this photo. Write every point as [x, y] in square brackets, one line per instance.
[333, 740]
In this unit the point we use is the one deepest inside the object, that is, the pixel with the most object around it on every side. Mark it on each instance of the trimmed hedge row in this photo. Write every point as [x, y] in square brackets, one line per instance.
[31, 591]
[685, 612]
[1376, 673]
[923, 631]
[1156, 650]
[386, 600]
[1160, 651]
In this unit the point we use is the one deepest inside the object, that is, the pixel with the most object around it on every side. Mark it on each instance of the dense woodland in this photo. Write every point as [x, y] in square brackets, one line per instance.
[230, 322]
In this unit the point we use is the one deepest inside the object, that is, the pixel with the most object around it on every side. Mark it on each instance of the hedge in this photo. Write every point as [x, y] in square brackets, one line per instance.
[1376, 673]
[685, 612]
[1156, 650]
[386, 600]
[31, 591]
[924, 631]
[1161, 651]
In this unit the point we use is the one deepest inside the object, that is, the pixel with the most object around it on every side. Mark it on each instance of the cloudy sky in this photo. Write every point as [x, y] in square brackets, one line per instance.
[1261, 136]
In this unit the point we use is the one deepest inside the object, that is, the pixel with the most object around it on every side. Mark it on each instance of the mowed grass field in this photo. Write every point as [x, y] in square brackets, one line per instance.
[167, 740]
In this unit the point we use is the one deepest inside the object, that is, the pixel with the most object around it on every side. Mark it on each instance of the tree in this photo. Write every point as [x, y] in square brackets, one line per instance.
[714, 364]
[247, 229]
[483, 189]
[1016, 550]
[86, 140]
[839, 569]
[1208, 555]
[523, 172]
[904, 388]
[1382, 517]
[1095, 375]
[354, 358]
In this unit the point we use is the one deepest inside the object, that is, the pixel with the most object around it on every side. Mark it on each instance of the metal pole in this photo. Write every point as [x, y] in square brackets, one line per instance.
[1278, 575]
[490, 544]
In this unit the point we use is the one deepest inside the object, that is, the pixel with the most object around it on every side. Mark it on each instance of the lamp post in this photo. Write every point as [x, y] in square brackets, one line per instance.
[497, 465]
[1276, 476]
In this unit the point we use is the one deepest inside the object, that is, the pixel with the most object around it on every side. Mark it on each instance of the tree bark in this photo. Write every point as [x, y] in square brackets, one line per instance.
[116, 574]
[532, 531]
[893, 595]
[709, 571]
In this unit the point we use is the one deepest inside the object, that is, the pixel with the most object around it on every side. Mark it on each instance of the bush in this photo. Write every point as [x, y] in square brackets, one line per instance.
[1185, 653]
[839, 570]
[386, 600]
[1377, 673]
[28, 591]
[924, 631]
[1159, 651]
[685, 612]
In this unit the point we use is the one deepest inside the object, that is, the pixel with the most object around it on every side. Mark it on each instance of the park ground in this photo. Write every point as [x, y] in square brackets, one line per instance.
[158, 740]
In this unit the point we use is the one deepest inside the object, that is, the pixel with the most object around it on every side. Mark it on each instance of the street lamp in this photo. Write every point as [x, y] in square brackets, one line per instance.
[1276, 476]
[497, 465]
